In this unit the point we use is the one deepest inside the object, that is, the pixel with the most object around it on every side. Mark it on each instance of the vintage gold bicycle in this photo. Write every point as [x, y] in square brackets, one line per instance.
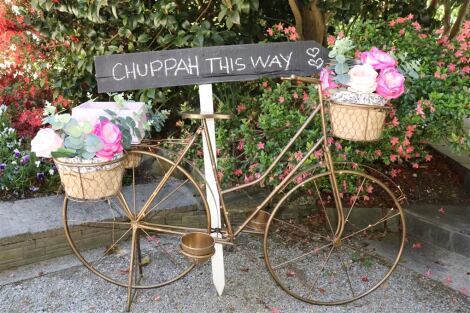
[332, 233]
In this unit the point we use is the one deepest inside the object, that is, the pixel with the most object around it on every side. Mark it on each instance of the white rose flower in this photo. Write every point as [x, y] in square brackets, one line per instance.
[45, 142]
[362, 79]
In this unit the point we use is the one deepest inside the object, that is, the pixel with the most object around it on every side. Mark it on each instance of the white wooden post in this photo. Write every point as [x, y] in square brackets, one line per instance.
[207, 106]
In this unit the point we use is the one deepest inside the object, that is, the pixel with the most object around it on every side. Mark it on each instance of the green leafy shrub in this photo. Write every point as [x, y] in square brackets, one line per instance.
[80, 30]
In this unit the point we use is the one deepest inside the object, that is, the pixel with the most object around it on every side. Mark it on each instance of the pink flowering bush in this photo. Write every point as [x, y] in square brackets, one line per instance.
[268, 112]
[280, 32]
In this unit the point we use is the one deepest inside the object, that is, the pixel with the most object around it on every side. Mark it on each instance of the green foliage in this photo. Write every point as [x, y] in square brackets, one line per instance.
[82, 29]
[341, 53]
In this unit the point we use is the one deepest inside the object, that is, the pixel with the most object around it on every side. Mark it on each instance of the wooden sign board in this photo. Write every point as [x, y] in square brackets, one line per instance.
[197, 66]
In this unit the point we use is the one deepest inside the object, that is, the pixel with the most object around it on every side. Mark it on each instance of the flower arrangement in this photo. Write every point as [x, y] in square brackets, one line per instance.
[70, 138]
[359, 89]
[89, 157]
[371, 77]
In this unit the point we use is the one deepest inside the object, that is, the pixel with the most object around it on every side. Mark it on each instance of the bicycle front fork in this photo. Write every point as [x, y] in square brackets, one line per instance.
[336, 195]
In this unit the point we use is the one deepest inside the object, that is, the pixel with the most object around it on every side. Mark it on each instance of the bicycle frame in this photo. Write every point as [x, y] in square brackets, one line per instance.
[321, 142]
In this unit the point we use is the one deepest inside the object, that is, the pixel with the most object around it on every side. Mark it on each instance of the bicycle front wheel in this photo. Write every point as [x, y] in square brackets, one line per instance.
[304, 253]
[126, 245]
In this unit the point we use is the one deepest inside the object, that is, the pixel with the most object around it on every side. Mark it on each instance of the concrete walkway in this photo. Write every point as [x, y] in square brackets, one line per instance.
[61, 286]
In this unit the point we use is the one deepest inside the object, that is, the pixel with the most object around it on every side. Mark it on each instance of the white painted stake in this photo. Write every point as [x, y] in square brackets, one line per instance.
[207, 106]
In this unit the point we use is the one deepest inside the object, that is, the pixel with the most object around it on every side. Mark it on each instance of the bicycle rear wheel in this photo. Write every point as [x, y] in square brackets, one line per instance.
[115, 237]
[306, 259]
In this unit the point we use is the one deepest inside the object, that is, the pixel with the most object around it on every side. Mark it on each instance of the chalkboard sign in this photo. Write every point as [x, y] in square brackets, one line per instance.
[196, 66]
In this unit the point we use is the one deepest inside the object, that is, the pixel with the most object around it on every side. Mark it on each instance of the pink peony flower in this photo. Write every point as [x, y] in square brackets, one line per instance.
[390, 83]
[270, 31]
[327, 81]
[378, 59]
[111, 136]
[362, 78]
[45, 142]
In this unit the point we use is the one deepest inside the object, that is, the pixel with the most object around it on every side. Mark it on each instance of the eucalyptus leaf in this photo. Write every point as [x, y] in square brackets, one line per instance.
[93, 143]
[342, 79]
[340, 58]
[341, 68]
[138, 133]
[73, 143]
[87, 155]
[64, 118]
[111, 113]
[63, 153]
[86, 127]
[73, 130]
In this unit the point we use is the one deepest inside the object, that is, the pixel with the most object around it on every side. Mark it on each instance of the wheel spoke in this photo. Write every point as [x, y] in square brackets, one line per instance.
[165, 198]
[345, 267]
[371, 226]
[95, 263]
[99, 222]
[165, 251]
[316, 250]
[317, 275]
[355, 198]
[314, 235]
[324, 209]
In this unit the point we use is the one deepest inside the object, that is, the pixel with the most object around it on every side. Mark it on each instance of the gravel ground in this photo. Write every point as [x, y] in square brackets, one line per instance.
[249, 288]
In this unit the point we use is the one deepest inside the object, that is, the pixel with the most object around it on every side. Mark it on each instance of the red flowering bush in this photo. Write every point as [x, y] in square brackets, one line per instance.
[24, 82]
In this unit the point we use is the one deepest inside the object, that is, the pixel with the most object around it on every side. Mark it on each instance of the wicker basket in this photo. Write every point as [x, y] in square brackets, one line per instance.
[86, 180]
[357, 122]
[132, 160]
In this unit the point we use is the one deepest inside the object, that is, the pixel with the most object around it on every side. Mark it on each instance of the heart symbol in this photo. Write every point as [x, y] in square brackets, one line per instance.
[317, 63]
[313, 52]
